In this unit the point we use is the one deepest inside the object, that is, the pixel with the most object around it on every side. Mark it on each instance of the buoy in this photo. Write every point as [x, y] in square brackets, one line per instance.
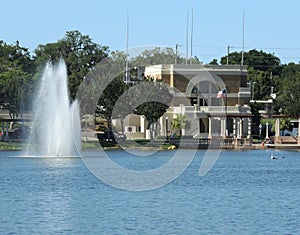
[172, 147]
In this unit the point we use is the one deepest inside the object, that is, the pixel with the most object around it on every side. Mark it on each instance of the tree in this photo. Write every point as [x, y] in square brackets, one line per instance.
[108, 99]
[14, 57]
[16, 88]
[155, 99]
[263, 83]
[16, 81]
[289, 99]
[259, 60]
[213, 62]
[179, 123]
[159, 56]
[80, 53]
[288, 91]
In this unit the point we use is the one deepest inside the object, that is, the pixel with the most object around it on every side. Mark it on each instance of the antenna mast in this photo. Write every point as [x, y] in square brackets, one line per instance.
[187, 37]
[243, 47]
[192, 28]
[126, 65]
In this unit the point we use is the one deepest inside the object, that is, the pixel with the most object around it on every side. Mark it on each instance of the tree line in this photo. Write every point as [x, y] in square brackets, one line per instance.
[269, 79]
[20, 72]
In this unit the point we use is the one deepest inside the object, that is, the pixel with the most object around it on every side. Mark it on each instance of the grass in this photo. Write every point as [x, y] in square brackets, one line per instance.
[96, 144]
[18, 146]
[11, 146]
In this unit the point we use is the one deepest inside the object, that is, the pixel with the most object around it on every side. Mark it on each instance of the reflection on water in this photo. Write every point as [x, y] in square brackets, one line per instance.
[245, 192]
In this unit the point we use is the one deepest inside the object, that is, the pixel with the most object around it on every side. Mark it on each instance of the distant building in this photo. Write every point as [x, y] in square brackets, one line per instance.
[215, 100]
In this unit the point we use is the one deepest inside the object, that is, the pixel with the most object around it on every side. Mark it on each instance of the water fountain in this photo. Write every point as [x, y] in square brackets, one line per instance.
[56, 124]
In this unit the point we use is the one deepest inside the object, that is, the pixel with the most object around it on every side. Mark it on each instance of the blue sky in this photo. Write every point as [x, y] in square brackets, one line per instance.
[272, 26]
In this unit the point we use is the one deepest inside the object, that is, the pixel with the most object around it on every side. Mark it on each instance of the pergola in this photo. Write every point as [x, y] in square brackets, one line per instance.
[277, 127]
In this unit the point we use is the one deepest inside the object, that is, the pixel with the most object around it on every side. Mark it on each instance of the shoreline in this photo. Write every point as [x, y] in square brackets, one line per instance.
[17, 146]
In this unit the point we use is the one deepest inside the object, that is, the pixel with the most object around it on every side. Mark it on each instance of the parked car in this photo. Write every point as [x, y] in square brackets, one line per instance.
[22, 132]
[111, 135]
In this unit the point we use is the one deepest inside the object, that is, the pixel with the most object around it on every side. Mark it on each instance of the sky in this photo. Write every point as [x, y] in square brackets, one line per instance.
[271, 26]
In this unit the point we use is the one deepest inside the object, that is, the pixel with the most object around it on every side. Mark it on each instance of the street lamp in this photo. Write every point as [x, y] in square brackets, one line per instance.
[260, 126]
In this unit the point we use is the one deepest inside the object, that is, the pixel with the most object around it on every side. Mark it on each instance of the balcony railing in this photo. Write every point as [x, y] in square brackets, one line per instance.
[212, 109]
[244, 89]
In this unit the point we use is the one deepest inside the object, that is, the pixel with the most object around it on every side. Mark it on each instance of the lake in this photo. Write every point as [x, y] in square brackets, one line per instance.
[244, 193]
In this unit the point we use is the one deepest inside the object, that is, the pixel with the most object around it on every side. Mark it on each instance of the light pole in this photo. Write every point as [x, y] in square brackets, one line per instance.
[260, 126]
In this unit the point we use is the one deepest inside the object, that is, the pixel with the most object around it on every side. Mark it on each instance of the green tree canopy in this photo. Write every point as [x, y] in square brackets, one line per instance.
[288, 99]
[259, 60]
[15, 91]
[14, 57]
[16, 81]
[80, 53]
[155, 99]
[179, 123]
[108, 99]
[158, 55]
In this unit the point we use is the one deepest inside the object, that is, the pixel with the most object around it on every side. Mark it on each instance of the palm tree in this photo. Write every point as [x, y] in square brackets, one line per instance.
[179, 123]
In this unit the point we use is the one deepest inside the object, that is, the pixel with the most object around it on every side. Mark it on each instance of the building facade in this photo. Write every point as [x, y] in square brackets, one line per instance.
[214, 99]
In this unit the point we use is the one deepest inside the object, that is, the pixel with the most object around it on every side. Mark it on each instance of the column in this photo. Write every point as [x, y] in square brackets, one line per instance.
[234, 127]
[162, 126]
[199, 126]
[238, 134]
[209, 127]
[167, 126]
[298, 130]
[241, 127]
[267, 130]
[222, 132]
[172, 77]
[277, 130]
[249, 128]
[195, 110]
[224, 126]
[142, 124]
[182, 111]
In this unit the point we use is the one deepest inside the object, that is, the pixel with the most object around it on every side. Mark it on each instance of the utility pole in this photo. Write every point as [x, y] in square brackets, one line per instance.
[176, 53]
[243, 47]
[228, 54]
[126, 63]
[192, 25]
[187, 37]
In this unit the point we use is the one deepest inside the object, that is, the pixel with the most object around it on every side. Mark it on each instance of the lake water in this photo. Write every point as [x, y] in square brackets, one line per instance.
[244, 193]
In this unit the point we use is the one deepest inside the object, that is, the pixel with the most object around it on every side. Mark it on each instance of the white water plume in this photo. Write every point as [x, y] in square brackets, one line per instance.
[56, 124]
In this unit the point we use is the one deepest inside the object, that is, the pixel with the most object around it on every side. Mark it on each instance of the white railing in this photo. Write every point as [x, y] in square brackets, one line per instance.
[244, 89]
[211, 109]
